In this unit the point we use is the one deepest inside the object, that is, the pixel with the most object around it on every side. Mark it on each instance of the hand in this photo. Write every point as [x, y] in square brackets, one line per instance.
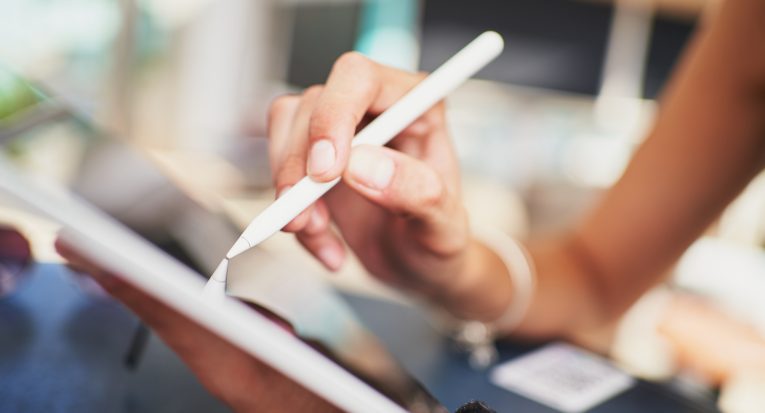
[238, 379]
[399, 207]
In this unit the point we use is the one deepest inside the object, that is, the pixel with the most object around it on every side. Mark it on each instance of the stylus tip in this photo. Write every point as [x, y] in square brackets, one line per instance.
[215, 289]
[221, 271]
[241, 245]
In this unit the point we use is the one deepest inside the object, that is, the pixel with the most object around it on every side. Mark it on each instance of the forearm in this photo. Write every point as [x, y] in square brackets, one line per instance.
[708, 142]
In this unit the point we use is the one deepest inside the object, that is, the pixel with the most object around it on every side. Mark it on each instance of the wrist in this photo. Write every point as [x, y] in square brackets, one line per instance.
[482, 290]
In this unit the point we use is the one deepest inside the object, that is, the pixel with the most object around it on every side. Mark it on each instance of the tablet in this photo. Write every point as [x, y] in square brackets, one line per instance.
[109, 236]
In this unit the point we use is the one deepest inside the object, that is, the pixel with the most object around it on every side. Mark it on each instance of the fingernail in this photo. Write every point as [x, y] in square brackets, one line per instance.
[371, 169]
[322, 157]
[331, 257]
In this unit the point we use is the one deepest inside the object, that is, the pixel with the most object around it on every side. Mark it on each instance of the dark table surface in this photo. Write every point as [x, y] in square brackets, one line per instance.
[63, 350]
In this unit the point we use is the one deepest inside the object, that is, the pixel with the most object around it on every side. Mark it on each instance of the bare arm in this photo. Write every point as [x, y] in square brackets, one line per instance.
[400, 210]
[707, 144]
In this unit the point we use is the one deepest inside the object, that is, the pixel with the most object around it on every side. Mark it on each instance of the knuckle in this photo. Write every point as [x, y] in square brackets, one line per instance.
[312, 230]
[411, 79]
[438, 112]
[294, 226]
[431, 192]
[319, 123]
[353, 61]
[430, 199]
[291, 169]
[312, 92]
[281, 105]
[432, 119]
[322, 121]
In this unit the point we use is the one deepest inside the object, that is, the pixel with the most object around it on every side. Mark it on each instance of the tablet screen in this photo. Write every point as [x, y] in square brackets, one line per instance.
[44, 137]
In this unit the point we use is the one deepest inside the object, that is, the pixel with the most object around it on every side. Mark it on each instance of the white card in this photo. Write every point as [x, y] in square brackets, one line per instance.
[563, 377]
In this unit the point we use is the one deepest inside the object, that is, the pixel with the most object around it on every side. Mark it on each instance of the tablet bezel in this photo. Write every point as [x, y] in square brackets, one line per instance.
[159, 275]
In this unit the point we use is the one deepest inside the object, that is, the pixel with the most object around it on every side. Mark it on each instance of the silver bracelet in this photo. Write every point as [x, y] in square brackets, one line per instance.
[522, 272]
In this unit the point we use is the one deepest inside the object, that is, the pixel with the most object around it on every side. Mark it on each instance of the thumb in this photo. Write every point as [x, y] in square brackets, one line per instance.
[411, 188]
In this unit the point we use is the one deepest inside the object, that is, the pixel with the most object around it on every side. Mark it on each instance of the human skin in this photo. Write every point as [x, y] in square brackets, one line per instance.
[239, 380]
[399, 209]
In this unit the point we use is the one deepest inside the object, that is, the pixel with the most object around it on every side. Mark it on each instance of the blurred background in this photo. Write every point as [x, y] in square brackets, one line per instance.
[540, 133]
[543, 131]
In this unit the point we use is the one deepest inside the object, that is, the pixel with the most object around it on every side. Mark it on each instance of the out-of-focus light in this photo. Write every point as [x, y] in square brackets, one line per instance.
[33, 30]
[618, 114]
[618, 106]
[743, 220]
[15, 96]
[595, 161]
[175, 13]
[729, 272]
[391, 46]
[387, 32]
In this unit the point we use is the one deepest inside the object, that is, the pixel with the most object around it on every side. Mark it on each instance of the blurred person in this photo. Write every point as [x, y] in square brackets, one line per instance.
[398, 208]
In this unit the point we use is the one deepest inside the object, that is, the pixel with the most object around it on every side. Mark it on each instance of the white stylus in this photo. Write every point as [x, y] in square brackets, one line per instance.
[385, 127]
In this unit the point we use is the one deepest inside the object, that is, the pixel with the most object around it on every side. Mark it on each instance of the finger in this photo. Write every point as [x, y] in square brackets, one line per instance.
[411, 188]
[326, 246]
[79, 264]
[113, 285]
[281, 116]
[428, 139]
[400, 183]
[291, 168]
[299, 222]
[227, 371]
[320, 240]
[356, 85]
[168, 323]
[157, 314]
[424, 138]
[318, 220]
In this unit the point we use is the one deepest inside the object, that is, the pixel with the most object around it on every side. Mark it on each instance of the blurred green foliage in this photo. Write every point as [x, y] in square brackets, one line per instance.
[15, 95]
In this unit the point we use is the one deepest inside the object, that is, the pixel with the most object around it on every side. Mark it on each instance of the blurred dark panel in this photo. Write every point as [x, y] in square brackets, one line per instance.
[668, 38]
[320, 33]
[555, 44]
